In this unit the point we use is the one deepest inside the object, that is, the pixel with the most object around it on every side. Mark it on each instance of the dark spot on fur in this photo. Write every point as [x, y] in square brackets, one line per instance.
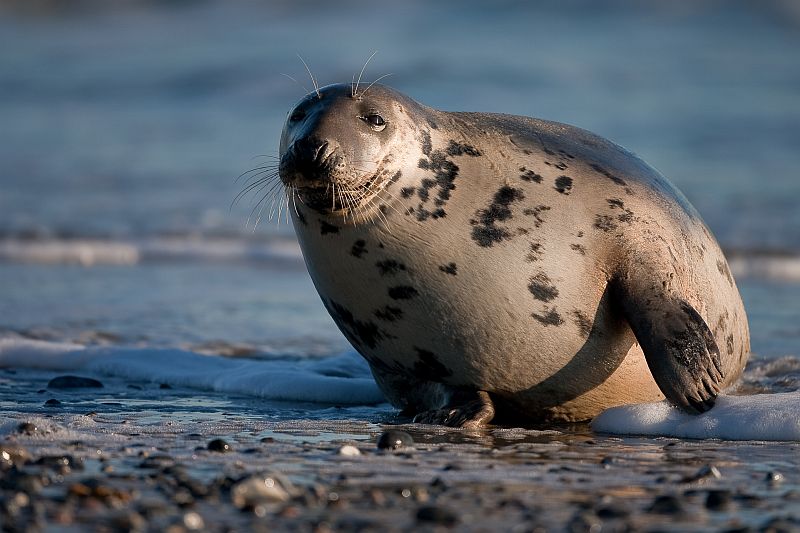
[549, 318]
[729, 344]
[359, 248]
[449, 268]
[426, 143]
[535, 253]
[561, 165]
[527, 152]
[609, 175]
[428, 367]
[359, 333]
[485, 231]
[626, 215]
[536, 213]
[580, 234]
[390, 267]
[402, 292]
[549, 151]
[326, 228]
[432, 124]
[396, 177]
[583, 323]
[529, 175]
[563, 184]
[389, 313]
[542, 288]
[725, 271]
[581, 249]
[455, 149]
[605, 223]
[407, 192]
[566, 154]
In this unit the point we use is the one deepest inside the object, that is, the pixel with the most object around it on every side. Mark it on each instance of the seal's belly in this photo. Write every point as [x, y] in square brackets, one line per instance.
[506, 326]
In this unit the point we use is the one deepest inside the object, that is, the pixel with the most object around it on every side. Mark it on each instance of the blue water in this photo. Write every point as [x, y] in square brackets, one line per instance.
[126, 122]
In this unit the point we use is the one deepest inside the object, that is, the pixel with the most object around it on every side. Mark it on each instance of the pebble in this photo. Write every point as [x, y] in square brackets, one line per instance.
[10, 456]
[74, 382]
[193, 521]
[706, 472]
[220, 446]
[261, 489]
[394, 439]
[666, 505]
[62, 464]
[437, 515]
[774, 477]
[349, 451]
[718, 500]
[52, 402]
[27, 428]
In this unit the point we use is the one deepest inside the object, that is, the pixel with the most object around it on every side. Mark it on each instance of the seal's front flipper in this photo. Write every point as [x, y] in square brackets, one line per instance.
[466, 409]
[677, 344]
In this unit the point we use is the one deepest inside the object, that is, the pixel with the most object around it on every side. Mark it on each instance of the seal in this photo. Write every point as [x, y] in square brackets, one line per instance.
[488, 264]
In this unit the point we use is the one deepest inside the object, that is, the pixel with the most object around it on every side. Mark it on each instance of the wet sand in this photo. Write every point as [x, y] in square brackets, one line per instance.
[135, 456]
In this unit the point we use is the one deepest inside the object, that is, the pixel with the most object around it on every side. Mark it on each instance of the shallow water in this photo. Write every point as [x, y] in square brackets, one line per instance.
[124, 130]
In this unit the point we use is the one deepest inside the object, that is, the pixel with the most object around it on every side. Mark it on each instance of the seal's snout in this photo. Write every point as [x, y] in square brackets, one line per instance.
[309, 162]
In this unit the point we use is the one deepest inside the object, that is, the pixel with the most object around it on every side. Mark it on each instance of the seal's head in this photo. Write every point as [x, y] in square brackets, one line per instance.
[340, 148]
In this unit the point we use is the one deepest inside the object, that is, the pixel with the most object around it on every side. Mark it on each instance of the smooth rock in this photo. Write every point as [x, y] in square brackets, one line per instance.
[74, 382]
[394, 439]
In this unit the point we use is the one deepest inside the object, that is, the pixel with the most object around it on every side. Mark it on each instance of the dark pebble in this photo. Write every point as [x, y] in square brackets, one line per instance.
[612, 511]
[219, 445]
[718, 500]
[437, 515]
[394, 439]
[165, 386]
[705, 472]
[61, 463]
[27, 428]
[666, 505]
[74, 382]
[52, 402]
[268, 440]
[773, 477]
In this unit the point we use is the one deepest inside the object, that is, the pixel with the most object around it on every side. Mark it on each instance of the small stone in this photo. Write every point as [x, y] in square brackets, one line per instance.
[349, 451]
[74, 382]
[666, 505]
[165, 386]
[774, 477]
[27, 428]
[718, 500]
[262, 489]
[706, 472]
[220, 446]
[437, 515]
[268, 440]
[10, 456]
[193, 521]
[394, 439]
[612, 510]
[52, 402]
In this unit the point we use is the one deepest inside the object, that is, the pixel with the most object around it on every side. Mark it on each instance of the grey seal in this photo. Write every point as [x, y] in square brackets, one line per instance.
[488, 264]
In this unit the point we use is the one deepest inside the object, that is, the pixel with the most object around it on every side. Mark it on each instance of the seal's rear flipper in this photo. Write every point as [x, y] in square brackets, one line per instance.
[677, 344]
[466, 409]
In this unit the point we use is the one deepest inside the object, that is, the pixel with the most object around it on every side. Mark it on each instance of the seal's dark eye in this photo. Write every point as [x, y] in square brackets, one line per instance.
[375, 121]
[297, 115]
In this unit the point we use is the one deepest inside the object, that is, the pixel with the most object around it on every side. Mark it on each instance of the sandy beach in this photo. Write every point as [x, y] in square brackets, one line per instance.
[115, 459]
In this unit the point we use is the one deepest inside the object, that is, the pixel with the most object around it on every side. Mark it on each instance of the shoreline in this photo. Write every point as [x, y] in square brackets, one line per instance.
[135, 457]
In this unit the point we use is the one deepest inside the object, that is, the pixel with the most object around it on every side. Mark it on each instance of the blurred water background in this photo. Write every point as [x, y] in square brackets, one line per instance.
[124, 124]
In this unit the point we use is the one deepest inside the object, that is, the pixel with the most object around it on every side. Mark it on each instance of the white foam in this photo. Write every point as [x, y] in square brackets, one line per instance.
[343, 379]
[773, 417]
[91, 251]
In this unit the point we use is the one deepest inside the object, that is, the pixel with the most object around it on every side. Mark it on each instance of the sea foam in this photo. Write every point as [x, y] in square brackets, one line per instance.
[344, 379]
[774, 417]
